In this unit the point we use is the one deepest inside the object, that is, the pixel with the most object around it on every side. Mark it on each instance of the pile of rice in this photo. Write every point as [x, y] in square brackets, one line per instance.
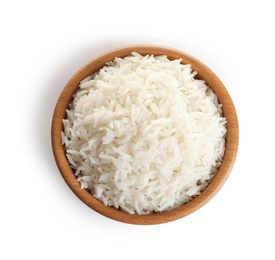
[143, 134]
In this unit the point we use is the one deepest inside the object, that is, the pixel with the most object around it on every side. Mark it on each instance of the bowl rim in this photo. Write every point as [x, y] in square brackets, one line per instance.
[203, 72]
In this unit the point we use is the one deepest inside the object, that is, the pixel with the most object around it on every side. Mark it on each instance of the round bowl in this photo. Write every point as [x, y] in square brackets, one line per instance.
[231, 144]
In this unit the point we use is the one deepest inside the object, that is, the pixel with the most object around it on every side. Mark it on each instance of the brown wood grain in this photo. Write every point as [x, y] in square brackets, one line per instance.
[204, 73]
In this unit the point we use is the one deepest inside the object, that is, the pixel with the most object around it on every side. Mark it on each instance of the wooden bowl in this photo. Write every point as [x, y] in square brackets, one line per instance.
[156, 218]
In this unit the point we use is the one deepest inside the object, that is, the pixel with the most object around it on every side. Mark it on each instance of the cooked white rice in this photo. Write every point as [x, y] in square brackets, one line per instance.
[143, 135]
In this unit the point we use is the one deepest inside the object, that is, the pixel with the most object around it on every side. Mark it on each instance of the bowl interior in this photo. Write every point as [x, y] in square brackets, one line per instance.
[231, 144]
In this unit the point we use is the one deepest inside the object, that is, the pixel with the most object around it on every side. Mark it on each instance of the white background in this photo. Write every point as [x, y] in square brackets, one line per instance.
[45, 42]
